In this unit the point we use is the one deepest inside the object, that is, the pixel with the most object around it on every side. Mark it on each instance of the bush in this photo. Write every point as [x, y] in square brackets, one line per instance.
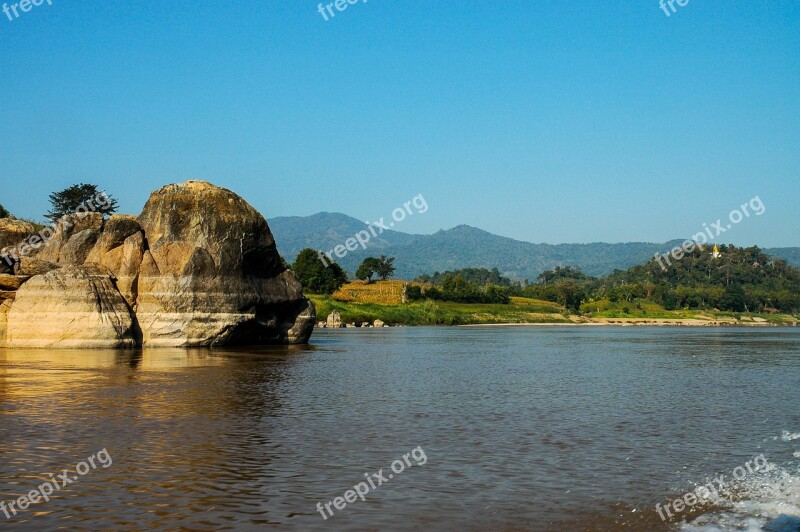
[413, 293]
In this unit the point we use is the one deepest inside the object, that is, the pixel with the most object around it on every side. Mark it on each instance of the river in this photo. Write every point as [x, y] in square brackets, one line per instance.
[503, 428]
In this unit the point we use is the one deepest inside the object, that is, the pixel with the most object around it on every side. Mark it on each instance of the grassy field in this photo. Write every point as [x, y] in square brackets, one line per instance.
[381, 292]
[358, 302]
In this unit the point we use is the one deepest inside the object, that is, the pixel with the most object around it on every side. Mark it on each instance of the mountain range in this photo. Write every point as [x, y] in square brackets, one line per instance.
[464, 246]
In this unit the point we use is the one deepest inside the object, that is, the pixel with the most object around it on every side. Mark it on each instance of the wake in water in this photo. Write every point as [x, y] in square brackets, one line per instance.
[768, 501]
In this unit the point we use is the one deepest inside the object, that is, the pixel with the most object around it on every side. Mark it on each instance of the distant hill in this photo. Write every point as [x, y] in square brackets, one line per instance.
[465, 246]
[790, 255]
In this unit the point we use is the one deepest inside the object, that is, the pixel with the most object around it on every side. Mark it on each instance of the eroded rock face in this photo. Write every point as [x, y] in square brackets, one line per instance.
[5, 307]
[71, 240]
[120, 248]
[198, 267]
[12, 233]
[75, 306]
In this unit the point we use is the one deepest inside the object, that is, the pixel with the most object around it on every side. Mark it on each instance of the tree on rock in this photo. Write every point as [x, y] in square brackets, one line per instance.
[80, 198]
[4, 212]
[368, 268]
[315, 276]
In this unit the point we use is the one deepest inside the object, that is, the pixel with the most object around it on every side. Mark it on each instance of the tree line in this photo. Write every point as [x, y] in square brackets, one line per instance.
[739, 280]
[326, 278]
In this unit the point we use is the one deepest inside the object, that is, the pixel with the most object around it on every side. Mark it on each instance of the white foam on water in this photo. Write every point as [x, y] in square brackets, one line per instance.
[788, 436]
[750, 503]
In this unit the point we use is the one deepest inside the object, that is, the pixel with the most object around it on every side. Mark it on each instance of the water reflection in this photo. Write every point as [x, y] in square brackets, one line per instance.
[557, 428]
[171, 419]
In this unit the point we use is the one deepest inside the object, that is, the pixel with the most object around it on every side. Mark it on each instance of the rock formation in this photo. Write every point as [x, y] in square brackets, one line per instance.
[198, 267]
[12, 232]
[334, 320]
[74, 306]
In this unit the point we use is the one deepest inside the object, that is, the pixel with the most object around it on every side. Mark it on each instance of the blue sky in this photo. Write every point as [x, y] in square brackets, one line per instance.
[539, 120]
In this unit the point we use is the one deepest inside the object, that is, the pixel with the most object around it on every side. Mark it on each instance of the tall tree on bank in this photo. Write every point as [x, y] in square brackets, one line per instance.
[384, 267]
[4, 212]
[71, 199]
[315, 276]
[368, 268]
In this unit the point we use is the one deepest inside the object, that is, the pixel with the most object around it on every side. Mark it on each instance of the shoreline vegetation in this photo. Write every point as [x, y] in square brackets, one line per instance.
[358, 302]
[723, 286]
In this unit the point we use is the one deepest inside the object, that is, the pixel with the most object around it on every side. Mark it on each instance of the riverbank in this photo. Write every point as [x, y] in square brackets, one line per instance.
[358, 303]
[660, 322]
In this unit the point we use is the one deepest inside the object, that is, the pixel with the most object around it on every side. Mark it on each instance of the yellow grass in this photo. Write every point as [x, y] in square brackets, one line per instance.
[380, 292]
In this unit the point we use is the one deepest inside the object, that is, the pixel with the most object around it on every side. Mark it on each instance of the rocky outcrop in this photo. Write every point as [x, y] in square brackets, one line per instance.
[12, 232]
[218, 279]
[120, 249]
[198, 267]
[73, 240]
[75, 306]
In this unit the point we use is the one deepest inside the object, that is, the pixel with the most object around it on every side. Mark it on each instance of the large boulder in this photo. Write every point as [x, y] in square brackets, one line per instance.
[70, 307]
[198, 267]
[212, 274]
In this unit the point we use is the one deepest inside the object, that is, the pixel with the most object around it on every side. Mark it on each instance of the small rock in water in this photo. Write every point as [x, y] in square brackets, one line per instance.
[334, 320]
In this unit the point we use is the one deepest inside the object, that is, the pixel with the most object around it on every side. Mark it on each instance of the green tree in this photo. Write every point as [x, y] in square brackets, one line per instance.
[315, 276]
[4, 212]
[733, 298]
[497, 294]
[459, 289]
[569, 294]
[478, 276]
[80, 196]
[384, 267]
[368, 268]
[568, 272]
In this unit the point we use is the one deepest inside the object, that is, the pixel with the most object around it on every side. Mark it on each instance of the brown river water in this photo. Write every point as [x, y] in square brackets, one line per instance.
[512, 428]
